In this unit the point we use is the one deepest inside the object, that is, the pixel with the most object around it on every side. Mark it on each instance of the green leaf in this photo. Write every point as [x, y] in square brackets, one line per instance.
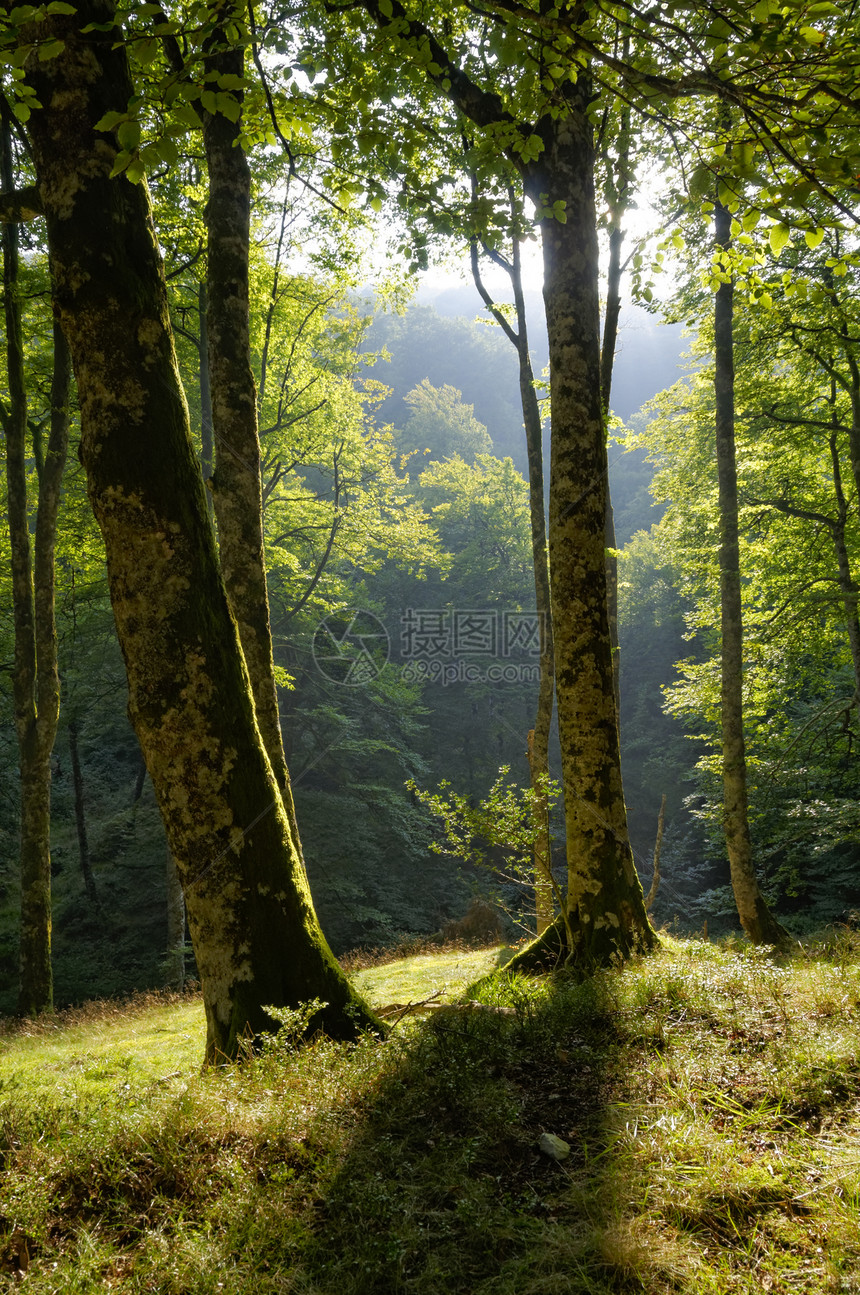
[229, 106]
[778, 236]
[813, 237]
[147, 51]
[128, 135]
[120, 163]
[751, 219]
[110, 120]
[51, 49]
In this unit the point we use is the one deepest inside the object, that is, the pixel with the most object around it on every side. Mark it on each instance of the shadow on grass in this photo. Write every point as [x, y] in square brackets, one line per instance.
[444, 1188]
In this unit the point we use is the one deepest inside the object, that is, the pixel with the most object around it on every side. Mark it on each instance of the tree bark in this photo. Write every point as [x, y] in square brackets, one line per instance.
[80, 815]
[605, 898]
[207, 448]
[36, 683]
[847, 583]
[255, 934]
[175, 926]
[619, 197]
[754, 914]
[236, 481]
[604, 894]
[655, 880]
[538, 738]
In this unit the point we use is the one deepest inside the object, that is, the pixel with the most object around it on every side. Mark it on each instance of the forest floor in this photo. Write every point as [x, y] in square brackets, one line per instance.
[708, 1096]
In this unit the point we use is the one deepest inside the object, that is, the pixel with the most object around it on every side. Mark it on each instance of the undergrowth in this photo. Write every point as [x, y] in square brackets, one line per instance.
[708, 1096]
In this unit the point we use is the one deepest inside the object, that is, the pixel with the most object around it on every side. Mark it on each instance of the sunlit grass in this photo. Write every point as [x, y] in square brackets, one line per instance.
[415, 979]
[710, 1098]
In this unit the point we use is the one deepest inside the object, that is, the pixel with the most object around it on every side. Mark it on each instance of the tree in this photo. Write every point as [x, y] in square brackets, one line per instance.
[526, 79]
[440, 426]
[753, 911]
[537, 748]
[553, 154]
[36, 683]
[189, 694]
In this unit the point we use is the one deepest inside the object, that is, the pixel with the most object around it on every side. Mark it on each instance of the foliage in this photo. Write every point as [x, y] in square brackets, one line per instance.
[440, 426]
[498, 835]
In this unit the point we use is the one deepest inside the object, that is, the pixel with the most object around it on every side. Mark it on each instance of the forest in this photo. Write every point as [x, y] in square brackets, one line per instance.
[347, 622]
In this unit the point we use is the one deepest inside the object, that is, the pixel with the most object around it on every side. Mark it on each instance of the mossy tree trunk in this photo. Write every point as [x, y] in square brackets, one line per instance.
[35, 678]
[236, 481]
[754, 914]
[605, 900]
[255, 935]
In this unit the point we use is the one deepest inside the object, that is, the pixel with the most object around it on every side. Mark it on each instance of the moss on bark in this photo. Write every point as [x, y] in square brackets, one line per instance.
[255, 934]
[605, 900]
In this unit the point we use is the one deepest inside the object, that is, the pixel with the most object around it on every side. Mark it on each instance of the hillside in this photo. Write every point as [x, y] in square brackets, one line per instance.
[706, 1102]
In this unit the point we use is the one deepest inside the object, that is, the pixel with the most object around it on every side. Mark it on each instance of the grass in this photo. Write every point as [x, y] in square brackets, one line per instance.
[709, 1097]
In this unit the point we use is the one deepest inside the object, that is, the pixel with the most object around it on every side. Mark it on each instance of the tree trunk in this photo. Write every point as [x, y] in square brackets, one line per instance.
[236, 483]
[619, 197]
[36, 683]
[655, 880]
[847, 584]
[605, 898]
[538, 745]
[755, 916]
[80, 814]
[207, 449]
[254, 930]
[538, 737]
[175, 926]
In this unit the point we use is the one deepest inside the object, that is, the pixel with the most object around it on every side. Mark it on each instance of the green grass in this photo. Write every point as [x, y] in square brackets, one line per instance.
[415, 979]
[709, 1097]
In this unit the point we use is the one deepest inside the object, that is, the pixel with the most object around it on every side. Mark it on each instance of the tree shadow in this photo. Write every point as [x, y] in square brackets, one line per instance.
[445, 1187]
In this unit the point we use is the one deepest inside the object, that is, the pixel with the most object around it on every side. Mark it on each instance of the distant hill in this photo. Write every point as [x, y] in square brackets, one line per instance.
[648, 358]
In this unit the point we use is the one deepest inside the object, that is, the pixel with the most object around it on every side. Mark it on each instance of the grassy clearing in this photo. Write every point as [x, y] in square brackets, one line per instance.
[708, 1095]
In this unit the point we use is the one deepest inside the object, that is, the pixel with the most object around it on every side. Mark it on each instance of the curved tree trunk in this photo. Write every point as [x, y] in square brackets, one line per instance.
[255, 934]
[755, 916]
[537, 746]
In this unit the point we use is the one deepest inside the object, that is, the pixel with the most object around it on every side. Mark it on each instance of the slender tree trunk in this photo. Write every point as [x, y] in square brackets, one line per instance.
[255, 934]
[207, 449]
[175, 926]
[236, 482]
[847, 583]
[658, 844]
[538, 745]
[538, 737]
[755, 916]
[36, 683]
[619, 198]
[81, 814]
[605, 898]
